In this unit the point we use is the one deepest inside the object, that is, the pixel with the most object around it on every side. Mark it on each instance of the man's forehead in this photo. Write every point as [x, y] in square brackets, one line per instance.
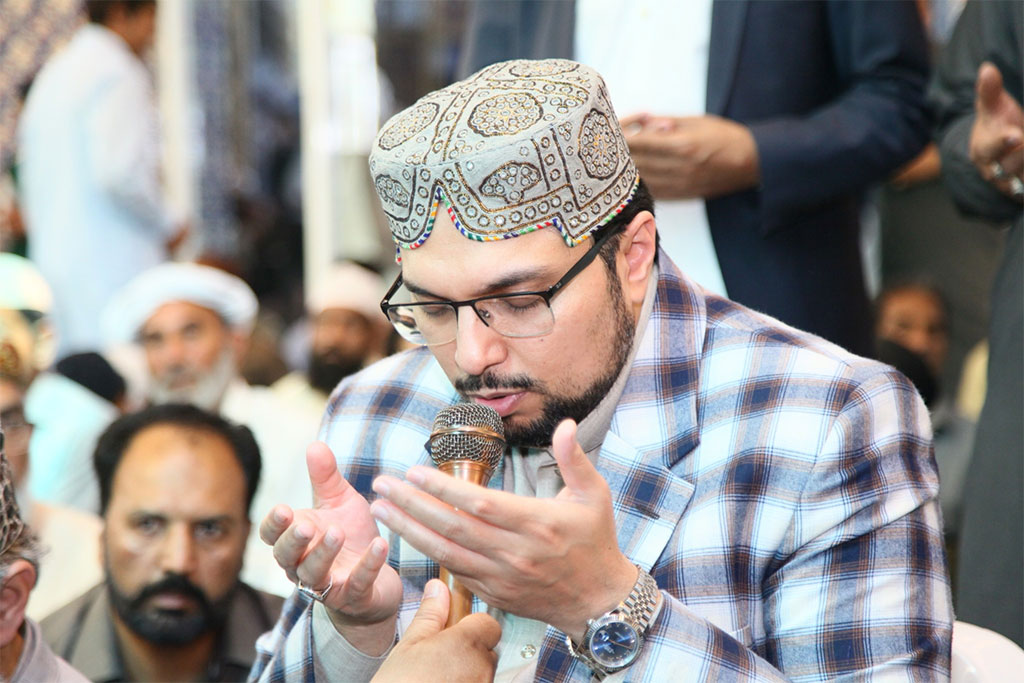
[177, 313]
[450, 260]
[178, 460]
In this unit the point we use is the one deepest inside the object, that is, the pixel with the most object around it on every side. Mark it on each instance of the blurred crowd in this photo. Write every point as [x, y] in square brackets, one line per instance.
[152, 417]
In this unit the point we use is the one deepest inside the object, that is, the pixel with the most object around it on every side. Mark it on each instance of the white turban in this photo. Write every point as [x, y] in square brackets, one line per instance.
[24, 288]
[224, 294]
[349, 286]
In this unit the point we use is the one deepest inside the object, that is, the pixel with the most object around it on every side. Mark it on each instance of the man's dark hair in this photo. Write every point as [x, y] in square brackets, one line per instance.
[99, 10]
[919, 283]
[116, 438]
[642, 201]
[95, 373]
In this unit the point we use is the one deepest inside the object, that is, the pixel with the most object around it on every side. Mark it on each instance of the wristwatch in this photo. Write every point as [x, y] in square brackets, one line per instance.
[614, 640]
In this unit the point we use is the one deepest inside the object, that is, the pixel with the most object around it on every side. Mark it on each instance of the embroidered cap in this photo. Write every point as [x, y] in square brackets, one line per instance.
[517, 146]
[11, 523]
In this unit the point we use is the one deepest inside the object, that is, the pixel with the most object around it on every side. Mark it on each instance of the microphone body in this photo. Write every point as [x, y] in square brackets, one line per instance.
[467, 443]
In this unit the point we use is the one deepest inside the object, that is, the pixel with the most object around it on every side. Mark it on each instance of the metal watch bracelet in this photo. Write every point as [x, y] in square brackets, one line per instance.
[638, 609]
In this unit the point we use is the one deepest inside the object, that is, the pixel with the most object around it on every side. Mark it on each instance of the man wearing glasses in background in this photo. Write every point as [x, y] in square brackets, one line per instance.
[692, 489]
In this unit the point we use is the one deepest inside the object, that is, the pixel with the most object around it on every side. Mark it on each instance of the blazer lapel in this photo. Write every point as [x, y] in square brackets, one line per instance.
[654, 427]
[727, 17]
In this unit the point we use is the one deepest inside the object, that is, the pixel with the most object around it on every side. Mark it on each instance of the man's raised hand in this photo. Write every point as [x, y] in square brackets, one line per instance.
[996, 144]
[336, 544]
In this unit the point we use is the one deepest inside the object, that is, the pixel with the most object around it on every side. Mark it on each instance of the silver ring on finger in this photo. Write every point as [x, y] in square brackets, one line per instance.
[997, 171]
[1016, 187]
[317, 595]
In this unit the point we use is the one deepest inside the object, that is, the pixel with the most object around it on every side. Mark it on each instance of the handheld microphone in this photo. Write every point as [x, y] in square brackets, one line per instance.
[467, 442]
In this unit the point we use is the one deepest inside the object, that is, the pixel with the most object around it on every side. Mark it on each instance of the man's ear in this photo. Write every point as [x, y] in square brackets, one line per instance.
[239, 344]
[638, 247]
[18, 582]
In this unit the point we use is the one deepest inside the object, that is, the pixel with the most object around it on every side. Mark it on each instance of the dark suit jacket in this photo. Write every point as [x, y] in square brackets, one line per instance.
[990, 585]
[833, 92]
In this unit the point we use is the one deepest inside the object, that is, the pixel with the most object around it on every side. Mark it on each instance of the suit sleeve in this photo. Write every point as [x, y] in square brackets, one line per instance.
[304, 646]
[877, 121]
[860, 588]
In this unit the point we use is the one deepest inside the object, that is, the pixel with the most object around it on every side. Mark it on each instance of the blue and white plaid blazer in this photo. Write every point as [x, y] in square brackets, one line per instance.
[780, 490]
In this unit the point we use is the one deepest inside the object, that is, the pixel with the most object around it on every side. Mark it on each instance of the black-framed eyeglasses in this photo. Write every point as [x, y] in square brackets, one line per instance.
[517, 314]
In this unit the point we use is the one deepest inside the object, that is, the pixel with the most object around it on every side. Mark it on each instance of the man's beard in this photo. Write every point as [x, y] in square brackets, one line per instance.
[164, 626]
[204, 389]
[329, 367]
[555, 408]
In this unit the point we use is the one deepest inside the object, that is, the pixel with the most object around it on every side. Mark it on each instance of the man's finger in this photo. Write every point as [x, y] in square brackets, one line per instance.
[293, 544]
[274, 524]
[988, 87]
[447, 553]
[328, 484]
[315, 568]
[431, 615]
[360, 580]
[498, 508]
[634, 123]
[1013, 161]
[577, 471]
[480, 629]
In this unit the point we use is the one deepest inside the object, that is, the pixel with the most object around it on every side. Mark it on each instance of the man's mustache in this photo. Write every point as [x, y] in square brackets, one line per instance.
[172, 583]
[474, 383]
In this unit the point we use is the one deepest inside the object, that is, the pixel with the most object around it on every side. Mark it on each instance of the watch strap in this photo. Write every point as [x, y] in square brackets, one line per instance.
[638, 609]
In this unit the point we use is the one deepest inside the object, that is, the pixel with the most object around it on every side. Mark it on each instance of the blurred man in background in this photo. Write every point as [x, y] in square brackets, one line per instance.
[912, 330]
[176, 484]
[90, 168]
[24, 656]
[193, 323]
[70, 537]
[757, 152]
[67, 416]
[348, 333]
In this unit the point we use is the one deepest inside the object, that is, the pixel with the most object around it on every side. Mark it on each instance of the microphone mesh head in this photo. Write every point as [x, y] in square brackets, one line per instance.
[468, 431]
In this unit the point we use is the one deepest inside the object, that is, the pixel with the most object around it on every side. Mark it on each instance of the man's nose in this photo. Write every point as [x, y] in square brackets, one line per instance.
[477, 346]
[179, 552]
[174, 351]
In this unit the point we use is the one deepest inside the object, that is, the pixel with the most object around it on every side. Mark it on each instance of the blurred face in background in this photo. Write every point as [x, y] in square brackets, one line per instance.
[175, 531]
[191, 355]
[136, 23]
[915, 318]
[342, 342]
[17, 430]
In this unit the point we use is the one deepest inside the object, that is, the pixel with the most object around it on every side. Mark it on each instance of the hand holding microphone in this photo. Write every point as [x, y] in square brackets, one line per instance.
[556, 560]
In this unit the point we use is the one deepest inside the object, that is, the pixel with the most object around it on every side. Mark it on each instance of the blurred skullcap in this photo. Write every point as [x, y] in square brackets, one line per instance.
[24, 288]
[95, 373]
[350, 286]
[517, 146]
[11, 523]
[224, 294]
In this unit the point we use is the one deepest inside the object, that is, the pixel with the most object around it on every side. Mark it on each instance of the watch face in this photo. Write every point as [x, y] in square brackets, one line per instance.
[614, 644]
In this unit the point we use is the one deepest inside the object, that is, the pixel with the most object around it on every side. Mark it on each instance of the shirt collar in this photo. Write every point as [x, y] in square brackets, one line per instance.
[593, 428]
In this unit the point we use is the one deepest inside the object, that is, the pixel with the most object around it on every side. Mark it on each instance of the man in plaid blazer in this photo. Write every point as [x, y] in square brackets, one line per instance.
[778, 491]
